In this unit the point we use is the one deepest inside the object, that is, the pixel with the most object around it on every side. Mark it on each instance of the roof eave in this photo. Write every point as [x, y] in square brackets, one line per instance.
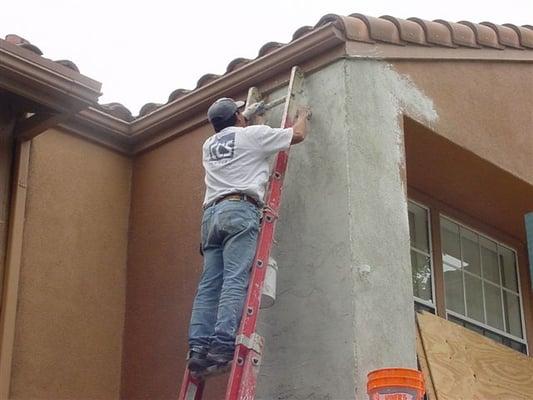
[45, 82]
[268, 66]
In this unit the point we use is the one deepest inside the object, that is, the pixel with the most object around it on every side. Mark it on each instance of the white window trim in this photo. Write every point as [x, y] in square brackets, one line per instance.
[427, 303]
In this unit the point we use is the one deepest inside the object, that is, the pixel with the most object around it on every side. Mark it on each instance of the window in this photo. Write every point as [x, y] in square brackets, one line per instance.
[480, 277]
[421, 261]
[481, 283]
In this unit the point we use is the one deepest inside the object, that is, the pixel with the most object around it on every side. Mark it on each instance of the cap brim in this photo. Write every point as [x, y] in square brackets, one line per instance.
[239, 103]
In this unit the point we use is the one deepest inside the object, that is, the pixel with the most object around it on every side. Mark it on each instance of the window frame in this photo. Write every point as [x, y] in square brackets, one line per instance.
[430, 304]
[501, 287]
[436, 210]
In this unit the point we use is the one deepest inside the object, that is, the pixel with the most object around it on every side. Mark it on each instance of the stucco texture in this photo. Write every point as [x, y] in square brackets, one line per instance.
[69, 327]
[163, 267]
[485, 107]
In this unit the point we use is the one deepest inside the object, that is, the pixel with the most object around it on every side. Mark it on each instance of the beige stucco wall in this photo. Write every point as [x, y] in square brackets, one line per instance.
[485, 107]
[70, 315]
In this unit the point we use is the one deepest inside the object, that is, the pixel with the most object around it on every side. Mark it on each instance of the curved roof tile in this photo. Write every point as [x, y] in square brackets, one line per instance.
[304, 30]
[380, 29]
[485, 35]
[148, 108]
[409, 31]
[269, 48]
[462, 35]
[237, 63]
[436, 33]
[68, 64]
[117, 110]
[506, 35]
[205, 79]
[525, 33]
[21, 42]
[176, 94]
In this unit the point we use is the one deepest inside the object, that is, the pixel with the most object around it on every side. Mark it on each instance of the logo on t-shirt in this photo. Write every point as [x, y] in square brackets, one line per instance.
[222, 147]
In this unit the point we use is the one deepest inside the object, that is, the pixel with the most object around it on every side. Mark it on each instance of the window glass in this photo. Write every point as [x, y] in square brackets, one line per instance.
[508, 262]
[421, 271]
[489, 260]
[513, 320]
[418, 227]
[470, 251]
[421, 263]
[451, 248]
[493, 299]
[453, 282]
[474, 298]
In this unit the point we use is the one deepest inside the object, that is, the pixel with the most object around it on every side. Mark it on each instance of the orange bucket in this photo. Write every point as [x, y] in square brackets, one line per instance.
[395, 384]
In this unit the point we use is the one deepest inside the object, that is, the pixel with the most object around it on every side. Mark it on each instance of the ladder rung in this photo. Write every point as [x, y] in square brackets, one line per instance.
[275, 103]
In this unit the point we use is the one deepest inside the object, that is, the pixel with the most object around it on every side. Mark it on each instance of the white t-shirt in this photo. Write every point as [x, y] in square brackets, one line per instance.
[237, 160]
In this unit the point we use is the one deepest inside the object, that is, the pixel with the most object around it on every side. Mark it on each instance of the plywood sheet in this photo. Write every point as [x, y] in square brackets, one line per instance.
[424, 367]
[467, 366]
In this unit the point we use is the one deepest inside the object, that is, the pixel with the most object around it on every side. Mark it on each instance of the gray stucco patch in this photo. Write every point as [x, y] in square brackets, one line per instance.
[344, 303]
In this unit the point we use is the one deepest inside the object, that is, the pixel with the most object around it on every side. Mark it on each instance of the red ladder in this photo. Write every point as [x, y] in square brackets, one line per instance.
[249, 345]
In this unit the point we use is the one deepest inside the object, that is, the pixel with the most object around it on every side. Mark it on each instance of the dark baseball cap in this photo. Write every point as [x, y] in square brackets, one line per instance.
[223, 109]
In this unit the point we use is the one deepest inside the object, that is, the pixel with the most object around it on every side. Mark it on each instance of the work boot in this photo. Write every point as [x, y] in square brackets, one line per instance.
[197, 361]
[220, 359]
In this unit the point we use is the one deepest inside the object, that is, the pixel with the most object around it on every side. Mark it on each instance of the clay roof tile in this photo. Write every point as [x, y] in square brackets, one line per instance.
[436, 33]
[269, 48]
[205, 79]
[380, 29]
[409, 31]
[68, 64]
[301, 32]
[485, 36]
[236, 64]
[354, 28]
[462, 35]
[117, 110]
[25, 44]
[506, 36]
[176, 94]
[148, 108]
[525, 34]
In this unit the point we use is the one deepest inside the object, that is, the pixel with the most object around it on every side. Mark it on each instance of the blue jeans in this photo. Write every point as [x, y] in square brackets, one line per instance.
[229, 239]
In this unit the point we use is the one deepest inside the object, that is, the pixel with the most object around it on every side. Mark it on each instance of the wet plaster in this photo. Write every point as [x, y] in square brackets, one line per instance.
[344, 301]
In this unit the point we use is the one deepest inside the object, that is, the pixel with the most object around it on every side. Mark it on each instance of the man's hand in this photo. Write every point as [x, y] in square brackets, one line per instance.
[304, 113]
[253, 110]
[299, 128]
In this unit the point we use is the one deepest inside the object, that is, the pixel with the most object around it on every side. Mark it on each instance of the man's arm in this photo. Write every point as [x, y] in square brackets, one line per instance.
[299, 129]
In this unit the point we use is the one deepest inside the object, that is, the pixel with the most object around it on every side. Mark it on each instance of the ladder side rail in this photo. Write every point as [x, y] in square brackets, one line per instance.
[244, 371]
[191, 388]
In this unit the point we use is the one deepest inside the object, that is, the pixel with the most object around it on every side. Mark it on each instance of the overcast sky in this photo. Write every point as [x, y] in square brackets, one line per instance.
[143, 50]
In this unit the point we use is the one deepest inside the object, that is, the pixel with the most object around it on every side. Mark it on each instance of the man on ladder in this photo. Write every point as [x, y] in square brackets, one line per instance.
[236, 163]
